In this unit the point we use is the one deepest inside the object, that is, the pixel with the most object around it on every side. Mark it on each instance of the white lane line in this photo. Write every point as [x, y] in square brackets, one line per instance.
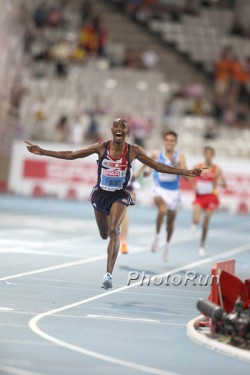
[25, 342]
[122, 318]
[17, 371]
[33, 323]
[53, 268]
[20, 250]
[178, 239]
[21, 312]
[70, 264]
[5, 309]
[75, 317]
[12, 325]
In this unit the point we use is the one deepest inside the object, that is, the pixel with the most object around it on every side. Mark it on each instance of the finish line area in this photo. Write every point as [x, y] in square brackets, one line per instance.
[56, 319]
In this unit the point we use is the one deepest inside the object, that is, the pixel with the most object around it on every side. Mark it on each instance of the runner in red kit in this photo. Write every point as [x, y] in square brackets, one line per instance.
[206, 198]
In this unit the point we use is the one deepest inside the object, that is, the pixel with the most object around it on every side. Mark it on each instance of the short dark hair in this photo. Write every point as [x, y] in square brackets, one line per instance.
[171, 132]
[122, 120]
[209, 148]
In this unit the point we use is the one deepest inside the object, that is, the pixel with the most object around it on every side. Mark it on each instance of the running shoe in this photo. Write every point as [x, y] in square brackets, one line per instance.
[165, 255]
[107, 281]
[202, 252]
[155, 245]
[124, 248]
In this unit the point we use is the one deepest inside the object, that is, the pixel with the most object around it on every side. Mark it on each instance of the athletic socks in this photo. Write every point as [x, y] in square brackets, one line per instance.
[202, 252]
[107, 281]
[165, 254]
[156, 243]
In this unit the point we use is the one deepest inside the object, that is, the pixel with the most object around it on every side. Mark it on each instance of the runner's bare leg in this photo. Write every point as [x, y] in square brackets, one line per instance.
[205, 226]
[117, 214]
[102, 222]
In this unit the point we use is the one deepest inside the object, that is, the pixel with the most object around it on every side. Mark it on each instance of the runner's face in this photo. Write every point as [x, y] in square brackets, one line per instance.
[169, 143]
[119, 131]
[208, 156]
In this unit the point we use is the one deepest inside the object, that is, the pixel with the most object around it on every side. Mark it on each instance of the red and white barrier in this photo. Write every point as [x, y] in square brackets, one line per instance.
[33, 175]
[40, 175]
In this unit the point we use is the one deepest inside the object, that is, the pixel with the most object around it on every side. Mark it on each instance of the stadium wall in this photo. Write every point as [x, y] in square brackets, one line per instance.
[32, 175]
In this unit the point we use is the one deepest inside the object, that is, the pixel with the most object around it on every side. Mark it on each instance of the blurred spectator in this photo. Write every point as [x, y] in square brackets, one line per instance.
[222, 72]
[197, 106]
[39, 112]
[86, 10]
[234, 67]
[76, 131]
[93, 131]
[61, 53]
[218, 108]
[23, 15]
[61, 130]
[242, 115]
[244, 94]
[229, 118]
[238, 26]
[40, 49]
[175, 13]
[78, 54]
[17, 92]
[132, 59]
[194, 89]
[88, 38]
[210, 133]
[28, 39]
[40, 15]
[192, 7]
[101, 35]
[240, 77]
[140, 129]
[149, 58]
[54, 17]
[132, 6]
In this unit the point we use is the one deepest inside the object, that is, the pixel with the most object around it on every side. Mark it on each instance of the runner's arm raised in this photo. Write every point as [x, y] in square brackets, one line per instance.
[68, 155]
[144, 170]
[139, 154]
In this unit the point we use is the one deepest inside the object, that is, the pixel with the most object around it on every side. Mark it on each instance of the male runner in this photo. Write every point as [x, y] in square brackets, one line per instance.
[206, 198]
[109, 197]
[166, 190]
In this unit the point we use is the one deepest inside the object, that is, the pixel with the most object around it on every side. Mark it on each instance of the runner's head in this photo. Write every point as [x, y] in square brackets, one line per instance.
[119, 130]
[170, 140]
[209, 153]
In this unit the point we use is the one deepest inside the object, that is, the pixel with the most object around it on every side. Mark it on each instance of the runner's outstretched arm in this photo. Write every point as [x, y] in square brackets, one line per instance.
[139, 154]
[68, 155]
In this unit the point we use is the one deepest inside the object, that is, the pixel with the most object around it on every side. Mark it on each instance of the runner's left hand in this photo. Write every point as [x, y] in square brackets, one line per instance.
[194, 172]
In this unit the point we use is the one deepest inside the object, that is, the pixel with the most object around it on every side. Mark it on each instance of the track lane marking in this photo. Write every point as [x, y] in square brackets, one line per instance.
[53, 268]
[17, 371]
[33, 323]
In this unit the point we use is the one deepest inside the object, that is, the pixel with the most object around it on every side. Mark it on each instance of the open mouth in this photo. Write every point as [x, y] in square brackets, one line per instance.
[118, 135]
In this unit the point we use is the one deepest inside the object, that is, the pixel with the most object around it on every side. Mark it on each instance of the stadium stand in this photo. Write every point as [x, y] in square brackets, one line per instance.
[153, 63]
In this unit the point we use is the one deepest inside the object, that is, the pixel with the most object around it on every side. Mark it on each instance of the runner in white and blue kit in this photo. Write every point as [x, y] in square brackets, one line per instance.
[109, 197]
[166, 190]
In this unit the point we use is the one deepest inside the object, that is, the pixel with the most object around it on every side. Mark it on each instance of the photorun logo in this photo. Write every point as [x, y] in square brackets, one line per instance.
[191, 277]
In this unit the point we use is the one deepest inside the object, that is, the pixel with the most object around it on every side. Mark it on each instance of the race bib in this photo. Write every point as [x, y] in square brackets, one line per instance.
[204, 187]
[165, 177]
[112, 179]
